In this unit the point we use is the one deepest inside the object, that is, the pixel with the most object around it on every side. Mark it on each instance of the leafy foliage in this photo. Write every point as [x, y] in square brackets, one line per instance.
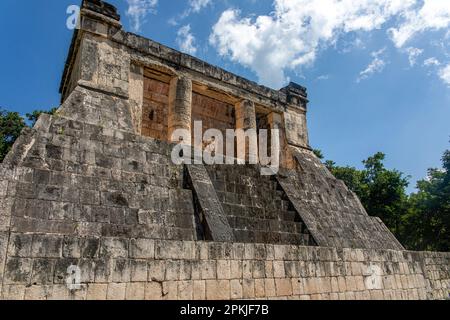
[428, 222]
[11, 124]
[421, 221]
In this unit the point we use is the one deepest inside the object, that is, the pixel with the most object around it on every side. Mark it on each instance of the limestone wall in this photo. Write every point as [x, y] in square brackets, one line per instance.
[84, 194]
[118, 268]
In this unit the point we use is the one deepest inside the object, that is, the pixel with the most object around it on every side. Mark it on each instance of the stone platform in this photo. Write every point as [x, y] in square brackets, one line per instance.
[92, 206]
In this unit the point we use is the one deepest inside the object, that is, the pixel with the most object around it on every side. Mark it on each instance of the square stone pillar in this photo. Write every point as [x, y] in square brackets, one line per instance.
[276, 122]
[295, 116]
[180, 108]
[136, 99]
[246, 128]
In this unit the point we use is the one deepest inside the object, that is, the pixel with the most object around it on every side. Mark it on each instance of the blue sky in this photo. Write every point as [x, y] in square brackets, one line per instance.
[377, 71]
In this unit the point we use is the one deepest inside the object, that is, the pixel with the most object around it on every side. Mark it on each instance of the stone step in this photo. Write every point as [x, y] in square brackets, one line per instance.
[270, 237]
[265, 225]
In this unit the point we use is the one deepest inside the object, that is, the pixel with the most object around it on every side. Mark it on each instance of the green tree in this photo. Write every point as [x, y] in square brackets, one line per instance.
[427, 225]
[318, 154]
[11, 124]
[381, 191]
[386, 195]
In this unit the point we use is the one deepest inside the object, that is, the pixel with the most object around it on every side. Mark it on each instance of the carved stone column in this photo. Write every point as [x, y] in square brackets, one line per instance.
[276, 122]
[136, 99]
[245, 115]
[246, 121]
[180, 108]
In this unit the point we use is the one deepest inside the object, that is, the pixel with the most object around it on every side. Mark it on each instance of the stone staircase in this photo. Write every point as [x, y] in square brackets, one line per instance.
[256, 207]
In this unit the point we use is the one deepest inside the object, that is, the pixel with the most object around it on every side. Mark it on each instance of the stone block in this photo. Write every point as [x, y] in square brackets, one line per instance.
[103, 270]
[168, 249]
[334, 284]
[153, 291]
[269, 269]
[260, 288]
[142, 249]
[223, 269]
[258, 269]
[269, 286]
[121, 271]
[90, 248]
[114, 248]
[247, 271]
[185, 290]
[46, 246]
[278, 269]
[283, 287]
[20, 245]
[135, 291]
[311, 285]
[236, 269]
[342, 284]
[199, 290]
[37, 292]
[217, 289]
[116, 291]
[236, 290]
[172, 270]
[13, 292]
[97, 291]
[156, 270]
[42, 271]
[248, 288]
[139, 270]
[237, 251]
[170, 290]
[18, 271]
[201, 251]
[208, 269]
[71, 247]
[297, 286]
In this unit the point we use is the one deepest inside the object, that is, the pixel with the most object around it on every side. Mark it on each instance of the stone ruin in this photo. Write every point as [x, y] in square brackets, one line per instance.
[92, 207]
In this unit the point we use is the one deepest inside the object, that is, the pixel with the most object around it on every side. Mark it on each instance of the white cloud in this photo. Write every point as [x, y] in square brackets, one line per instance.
[292, 35]
[444, 74]
[186, 40]
[138, 10]
[431, 62]
[197, 5]
[376, 66]
[413, 54]
[194, 6]
[323, 77]
[433, 15]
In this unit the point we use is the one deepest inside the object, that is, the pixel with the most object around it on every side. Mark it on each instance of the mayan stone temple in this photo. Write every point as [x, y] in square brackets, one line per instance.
[93, 207]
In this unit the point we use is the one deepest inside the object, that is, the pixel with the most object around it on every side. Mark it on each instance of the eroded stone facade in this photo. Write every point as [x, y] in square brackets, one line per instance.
[94, 189]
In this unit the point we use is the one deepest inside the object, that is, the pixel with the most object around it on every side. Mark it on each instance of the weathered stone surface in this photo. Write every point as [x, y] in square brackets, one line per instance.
[331, 212]
[88, 195]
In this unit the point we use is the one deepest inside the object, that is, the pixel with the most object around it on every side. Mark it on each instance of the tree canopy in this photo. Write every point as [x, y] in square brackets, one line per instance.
[11, 124]
[421, 221]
